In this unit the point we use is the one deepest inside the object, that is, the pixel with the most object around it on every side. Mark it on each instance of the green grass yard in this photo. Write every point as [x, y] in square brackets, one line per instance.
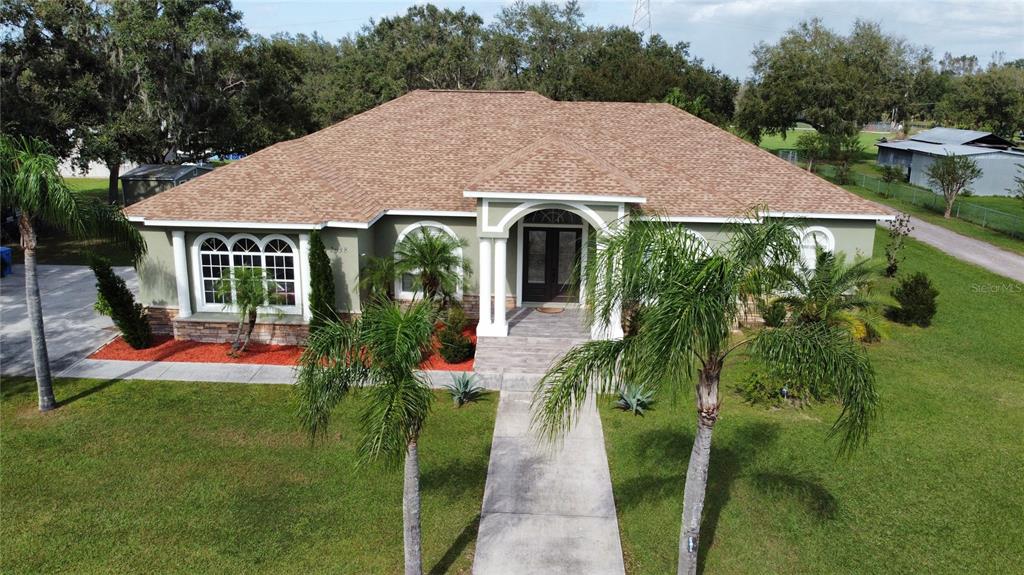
[939, 488]
[56, 248]
[163, 477]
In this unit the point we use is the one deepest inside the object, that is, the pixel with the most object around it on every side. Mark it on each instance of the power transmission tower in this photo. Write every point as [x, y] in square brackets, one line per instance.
[642, 17]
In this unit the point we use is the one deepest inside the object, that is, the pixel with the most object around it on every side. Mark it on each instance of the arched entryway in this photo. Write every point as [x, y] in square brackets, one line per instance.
[551, 249]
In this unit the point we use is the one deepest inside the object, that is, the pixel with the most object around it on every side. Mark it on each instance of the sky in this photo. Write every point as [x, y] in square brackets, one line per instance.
[721, 32]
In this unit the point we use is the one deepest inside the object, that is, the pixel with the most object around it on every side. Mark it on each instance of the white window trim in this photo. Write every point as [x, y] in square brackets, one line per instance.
[700, 240]
[408, 295]
[830, 240]
[197, 277]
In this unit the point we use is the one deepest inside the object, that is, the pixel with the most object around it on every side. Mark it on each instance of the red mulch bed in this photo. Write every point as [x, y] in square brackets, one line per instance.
[166, 348]
[169, 349]
[435, 361]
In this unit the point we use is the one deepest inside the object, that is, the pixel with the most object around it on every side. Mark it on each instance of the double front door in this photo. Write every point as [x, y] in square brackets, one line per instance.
[549, 263]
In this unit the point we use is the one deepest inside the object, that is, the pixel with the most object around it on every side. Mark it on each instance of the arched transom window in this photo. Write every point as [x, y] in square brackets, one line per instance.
[405, 286]
[811, 240]
[215, 256]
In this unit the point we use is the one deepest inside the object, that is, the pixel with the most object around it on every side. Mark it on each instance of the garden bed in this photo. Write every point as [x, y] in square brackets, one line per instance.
[167, 348]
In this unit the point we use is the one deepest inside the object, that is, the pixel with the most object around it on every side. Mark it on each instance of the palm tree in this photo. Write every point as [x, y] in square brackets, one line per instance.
[33, 188]
[433, 258]
[377, 278]
[833, 292]
[685, 301]
[382, 350]
[247, 290]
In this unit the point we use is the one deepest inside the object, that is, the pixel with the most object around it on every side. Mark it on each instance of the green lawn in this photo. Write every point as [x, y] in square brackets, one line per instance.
[56, 248]
[939, 488]
[163, 477]
[773, 143]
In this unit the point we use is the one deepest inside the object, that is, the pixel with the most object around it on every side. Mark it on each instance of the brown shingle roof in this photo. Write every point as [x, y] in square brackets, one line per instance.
[423, 150]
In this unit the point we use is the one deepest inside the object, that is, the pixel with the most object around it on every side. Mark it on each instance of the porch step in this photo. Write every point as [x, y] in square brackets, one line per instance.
[521, 354]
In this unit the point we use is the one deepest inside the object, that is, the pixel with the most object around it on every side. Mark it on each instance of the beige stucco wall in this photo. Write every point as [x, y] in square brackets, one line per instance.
[855, 238]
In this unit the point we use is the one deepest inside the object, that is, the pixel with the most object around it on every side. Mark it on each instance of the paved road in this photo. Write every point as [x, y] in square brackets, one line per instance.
[970, 250]
[73, 328]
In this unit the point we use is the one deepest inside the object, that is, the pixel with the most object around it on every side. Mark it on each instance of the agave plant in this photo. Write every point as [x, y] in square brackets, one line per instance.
[636, 399]
[464, 389]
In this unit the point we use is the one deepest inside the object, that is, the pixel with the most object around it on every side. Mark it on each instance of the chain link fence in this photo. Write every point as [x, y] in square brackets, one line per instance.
[1002, 222]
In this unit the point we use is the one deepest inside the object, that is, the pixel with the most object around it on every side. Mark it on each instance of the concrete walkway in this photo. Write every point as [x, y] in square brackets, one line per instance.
[977, 252]
[546, 509]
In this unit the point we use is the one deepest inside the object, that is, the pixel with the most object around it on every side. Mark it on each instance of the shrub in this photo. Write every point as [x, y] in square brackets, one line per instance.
[843, 173]
[774, 314]
[899, 229]
[635, 399]
[891, 174]
[456, 318]
[455, 346]
[115, 298]
[769, 389]
[916, 296]
[464, 389]
[321, 283]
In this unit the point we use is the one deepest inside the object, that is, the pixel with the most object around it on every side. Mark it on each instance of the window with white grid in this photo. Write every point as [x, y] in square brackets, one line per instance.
[279, 265]
[218, 256]
[214, 264]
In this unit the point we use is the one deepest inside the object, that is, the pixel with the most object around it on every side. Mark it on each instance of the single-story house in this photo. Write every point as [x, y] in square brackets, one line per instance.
[995, 156]
[526, 181]
[150, 179]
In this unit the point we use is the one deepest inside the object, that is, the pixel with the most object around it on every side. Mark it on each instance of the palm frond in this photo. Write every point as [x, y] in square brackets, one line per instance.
[561, 393]
[822, 356]
[393, 417]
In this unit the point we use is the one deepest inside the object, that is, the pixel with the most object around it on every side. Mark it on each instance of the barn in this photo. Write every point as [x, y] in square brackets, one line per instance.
[995, 156]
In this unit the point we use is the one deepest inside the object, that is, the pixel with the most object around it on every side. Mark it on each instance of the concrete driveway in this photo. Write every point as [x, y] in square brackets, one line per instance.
[977, 252]
[73, 329]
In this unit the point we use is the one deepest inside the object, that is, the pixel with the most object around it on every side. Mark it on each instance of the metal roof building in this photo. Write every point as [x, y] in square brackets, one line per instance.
[996, 157]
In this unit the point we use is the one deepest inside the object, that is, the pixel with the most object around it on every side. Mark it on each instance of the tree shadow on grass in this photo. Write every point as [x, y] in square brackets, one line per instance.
[730, 461]
[87, 392]
[455, 550]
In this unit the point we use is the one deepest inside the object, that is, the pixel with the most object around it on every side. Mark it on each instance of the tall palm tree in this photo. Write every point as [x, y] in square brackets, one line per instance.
[434, 260]
[685, 300]
[33, 188]
[833, 292]
[382, 350]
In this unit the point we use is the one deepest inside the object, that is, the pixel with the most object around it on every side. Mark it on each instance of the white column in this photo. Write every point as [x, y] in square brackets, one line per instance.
[500, 250]
[304, 278]
[485, 326]
[181, 273]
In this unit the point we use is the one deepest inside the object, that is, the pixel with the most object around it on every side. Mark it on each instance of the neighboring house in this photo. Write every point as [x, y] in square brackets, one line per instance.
[996, 157]
[527, 182]
[151, 179]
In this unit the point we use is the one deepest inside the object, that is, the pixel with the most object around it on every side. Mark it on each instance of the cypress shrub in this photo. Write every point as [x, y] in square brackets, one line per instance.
[916, 296]
[321, 283]
[115, 298]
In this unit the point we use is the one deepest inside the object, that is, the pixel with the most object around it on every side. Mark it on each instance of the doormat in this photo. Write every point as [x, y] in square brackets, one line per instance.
[550, 309]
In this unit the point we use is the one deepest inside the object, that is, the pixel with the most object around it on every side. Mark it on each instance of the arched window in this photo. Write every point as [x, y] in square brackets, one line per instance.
[811, 240]
[700, 242]
[405, 286]
[216, 256]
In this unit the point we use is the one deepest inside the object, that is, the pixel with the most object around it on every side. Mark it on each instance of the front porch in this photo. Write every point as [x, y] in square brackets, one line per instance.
[553, 238]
